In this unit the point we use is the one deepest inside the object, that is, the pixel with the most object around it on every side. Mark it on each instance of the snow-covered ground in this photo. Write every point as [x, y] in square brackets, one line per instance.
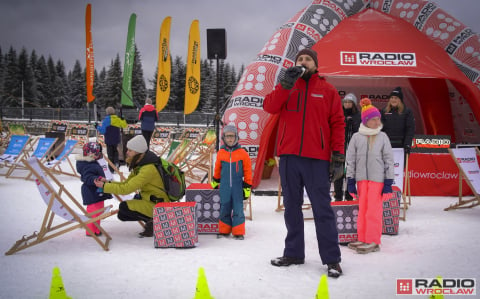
[431, 243]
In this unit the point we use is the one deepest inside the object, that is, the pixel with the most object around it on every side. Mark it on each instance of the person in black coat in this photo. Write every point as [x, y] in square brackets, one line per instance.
[352, 123]
[398, 121]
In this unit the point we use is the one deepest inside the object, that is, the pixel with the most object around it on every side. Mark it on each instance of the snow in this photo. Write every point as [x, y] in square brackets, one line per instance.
[432, 242]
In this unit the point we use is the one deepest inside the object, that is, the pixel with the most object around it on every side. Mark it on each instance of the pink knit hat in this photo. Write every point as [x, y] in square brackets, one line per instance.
[368, 110]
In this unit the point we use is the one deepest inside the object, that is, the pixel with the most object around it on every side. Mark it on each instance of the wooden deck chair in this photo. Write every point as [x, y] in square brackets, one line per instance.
[199, 161]
[60, 202]
[15, 151]
[467, 162]
[79, 132]
[56, 164]
[43, 147]
[58, 126]
[161, 140]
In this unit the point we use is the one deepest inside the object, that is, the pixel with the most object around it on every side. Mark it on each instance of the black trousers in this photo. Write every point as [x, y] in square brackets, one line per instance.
[112, 153]
[125, 214]
[148, 136]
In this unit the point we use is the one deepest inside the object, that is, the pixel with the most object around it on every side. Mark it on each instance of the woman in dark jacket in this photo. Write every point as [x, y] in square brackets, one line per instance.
[398, 121]
[352, 123]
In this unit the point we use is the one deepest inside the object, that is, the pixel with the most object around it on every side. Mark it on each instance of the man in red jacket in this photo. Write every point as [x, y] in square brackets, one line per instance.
[311, 132]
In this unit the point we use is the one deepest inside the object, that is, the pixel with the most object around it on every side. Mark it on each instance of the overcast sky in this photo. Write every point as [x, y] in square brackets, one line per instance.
[57, 27]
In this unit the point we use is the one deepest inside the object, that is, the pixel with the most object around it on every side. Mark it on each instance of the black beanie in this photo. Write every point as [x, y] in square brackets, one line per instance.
[308, 52]
[397, 92]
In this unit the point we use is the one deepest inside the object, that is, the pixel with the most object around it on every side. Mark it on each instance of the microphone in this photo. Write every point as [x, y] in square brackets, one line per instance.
[303, 69]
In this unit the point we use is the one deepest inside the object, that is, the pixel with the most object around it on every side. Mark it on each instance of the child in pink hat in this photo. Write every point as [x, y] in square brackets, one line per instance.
[370, 174]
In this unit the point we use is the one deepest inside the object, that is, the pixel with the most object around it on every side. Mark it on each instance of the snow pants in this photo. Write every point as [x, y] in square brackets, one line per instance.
[92, 208]
[370, 205]
[232, 217]
[297, 173]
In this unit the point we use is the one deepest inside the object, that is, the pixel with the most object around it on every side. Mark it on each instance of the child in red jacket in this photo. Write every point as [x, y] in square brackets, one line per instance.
[233, 171]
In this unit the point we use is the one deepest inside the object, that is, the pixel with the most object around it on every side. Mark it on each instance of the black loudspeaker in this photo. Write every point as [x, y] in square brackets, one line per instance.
[216, 44]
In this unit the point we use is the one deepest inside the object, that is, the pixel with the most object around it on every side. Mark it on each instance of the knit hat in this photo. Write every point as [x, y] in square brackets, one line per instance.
[350, 97]
[308, 52]
[231, 129]
[138, 144]
[397, 92]
[368, 110]
[93, 149]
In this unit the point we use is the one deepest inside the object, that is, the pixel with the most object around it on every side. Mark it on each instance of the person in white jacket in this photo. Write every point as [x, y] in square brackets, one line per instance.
[370, 174]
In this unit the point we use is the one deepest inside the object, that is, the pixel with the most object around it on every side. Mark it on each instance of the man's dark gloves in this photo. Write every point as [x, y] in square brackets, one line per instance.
[95, 124]
[337, 166]
[387, 186]
[291, 76]
[351, 187]
[407, 149]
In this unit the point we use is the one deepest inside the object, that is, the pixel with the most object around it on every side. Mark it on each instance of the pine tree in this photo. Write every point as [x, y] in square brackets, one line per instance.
[139, 90]
[177, 83]
[27, 78]
[78, 91]
[113, 84]
[12, 81]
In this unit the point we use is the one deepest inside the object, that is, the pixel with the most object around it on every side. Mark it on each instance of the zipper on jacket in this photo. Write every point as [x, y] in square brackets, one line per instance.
[303, 119]
[230, 165]
[366, 156]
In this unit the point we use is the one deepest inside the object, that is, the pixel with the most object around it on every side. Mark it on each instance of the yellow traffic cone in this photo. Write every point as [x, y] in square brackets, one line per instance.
[437, 296]
[202, 291]
[57, 291]
[322, 290]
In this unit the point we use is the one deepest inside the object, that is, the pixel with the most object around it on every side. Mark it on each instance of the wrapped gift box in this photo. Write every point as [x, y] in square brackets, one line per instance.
[175, 224]
[208, 206]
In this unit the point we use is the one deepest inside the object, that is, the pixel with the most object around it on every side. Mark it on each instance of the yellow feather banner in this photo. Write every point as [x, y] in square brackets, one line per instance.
[192, 82]
[164, 65]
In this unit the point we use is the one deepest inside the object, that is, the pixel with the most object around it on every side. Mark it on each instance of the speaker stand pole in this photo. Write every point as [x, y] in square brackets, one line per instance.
[217, 115]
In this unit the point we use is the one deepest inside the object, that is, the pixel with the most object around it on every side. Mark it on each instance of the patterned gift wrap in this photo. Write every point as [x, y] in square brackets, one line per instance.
[391, 213]
[175, 225]
[208, 206]
[346, 214]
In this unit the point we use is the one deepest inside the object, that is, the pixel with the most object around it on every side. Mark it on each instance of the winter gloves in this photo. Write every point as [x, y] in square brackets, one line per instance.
[291, 76]
[387, 186]
[406, 149]
[247, 189]
[214, 183]
[336, 166]
[351, 187]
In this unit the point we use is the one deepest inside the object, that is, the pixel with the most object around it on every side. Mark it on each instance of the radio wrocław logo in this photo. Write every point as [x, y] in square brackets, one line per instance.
[378, 59]
[436, 286]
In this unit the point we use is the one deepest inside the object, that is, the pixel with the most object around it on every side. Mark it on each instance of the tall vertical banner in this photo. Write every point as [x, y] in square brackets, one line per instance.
[90, 69]
[192, 82]
[164, 65]
[128, 67]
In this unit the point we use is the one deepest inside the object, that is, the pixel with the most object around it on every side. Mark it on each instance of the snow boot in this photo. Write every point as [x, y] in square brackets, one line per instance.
[354, 245]
[148, 232]
[238, 237]
[285, 261]
[219, 236]
[367, 248]
[334, 270]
